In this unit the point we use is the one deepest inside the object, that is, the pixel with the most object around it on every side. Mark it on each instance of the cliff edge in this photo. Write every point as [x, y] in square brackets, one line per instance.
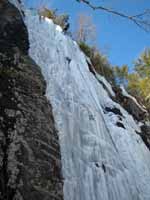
[30, 166]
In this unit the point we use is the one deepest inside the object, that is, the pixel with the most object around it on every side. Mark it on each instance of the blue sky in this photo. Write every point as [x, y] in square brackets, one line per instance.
[119, 38]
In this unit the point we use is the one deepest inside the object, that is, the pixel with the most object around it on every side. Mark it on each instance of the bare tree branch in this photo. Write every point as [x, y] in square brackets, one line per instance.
[142, 20]
[86, 29]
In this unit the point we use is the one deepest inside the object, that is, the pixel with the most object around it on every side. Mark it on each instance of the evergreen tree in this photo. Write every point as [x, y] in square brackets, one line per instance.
[121, 75]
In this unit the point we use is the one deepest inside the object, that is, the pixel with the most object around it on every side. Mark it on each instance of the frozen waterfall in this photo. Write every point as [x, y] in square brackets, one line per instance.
[100, 160]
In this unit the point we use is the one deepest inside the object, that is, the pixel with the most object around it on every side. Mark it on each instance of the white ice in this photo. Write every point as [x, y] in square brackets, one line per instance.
[100, 161]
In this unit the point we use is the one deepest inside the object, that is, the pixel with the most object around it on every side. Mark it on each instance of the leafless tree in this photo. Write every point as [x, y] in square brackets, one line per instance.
[86, 30]
[141, 19]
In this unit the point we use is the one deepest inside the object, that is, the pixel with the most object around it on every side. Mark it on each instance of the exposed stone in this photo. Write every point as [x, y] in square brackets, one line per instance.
[129, 104]
[114, 110]
[30, 166]
[119, 124]
[13, 33]
[145, 134]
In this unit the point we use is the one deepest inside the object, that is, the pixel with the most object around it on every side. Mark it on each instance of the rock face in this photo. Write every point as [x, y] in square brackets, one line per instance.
[145, 134]
[13, 33]
[30, 166]
[130, 104]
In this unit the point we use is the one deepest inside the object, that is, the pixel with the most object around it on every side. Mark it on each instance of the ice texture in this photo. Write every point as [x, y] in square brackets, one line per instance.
[100, 161]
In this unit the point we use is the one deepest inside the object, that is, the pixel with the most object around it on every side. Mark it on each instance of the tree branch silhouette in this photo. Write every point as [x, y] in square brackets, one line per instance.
[142, 20]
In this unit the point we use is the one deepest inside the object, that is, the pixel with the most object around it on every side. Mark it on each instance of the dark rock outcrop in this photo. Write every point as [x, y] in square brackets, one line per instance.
[119, 124]
[13, 32]
[30, 166]
[130, 105]
[145, 134]
[114, 110]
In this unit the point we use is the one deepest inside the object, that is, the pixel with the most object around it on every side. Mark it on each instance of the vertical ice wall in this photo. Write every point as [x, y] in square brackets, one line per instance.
[100, 160]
